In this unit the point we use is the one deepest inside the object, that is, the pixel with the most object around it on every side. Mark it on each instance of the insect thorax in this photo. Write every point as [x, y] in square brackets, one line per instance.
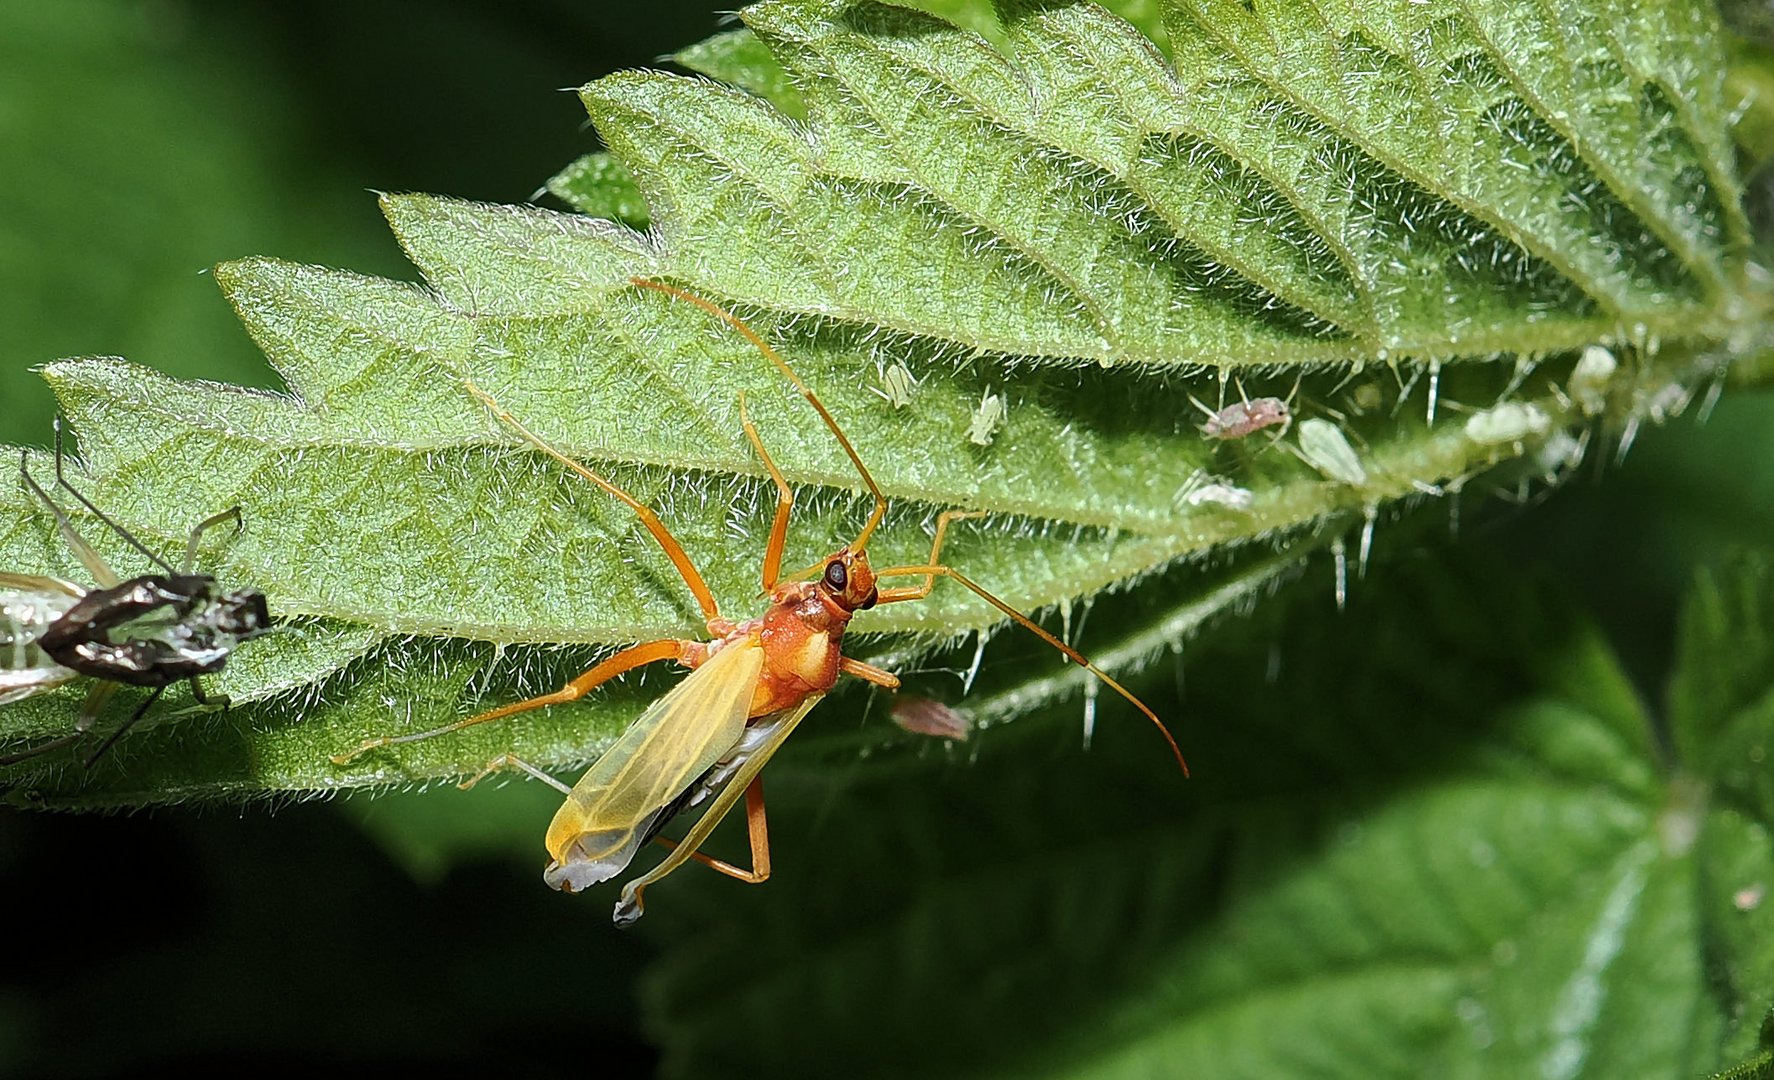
[155, 630]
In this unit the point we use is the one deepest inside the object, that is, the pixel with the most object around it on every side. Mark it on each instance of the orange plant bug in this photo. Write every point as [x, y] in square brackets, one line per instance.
[750, 683]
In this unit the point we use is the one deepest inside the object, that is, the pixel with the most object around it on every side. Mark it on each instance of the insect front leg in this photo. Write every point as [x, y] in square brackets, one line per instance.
[868, 673]
[231, 514]
[208, 702]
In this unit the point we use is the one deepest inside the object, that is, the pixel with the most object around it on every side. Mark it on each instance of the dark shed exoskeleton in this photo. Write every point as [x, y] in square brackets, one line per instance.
[149, 631]
[155, 629]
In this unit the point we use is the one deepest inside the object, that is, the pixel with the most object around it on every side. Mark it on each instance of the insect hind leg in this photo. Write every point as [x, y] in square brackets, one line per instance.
[90, 709]
[123, 728]
[757, 829]
[626, 660]
[633, 903]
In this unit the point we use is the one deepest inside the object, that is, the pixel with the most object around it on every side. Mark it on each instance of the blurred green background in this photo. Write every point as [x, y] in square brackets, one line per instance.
[145, 140]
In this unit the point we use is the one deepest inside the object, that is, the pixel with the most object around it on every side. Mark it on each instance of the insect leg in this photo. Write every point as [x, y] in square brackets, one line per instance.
[123, 728]
[61, 479]
[89, 711]
[785, 502]
[101, 571]
[230, 514]
[868, 673]
[208, 702]
[757, 829]
[632, 904]
[919, 592]
[628, 908]
[774, 357]
[626, 660]
[669, 543]
[512, 761]
[42, 748]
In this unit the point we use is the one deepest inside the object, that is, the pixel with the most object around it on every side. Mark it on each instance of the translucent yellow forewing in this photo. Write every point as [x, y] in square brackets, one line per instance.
[607, 816]
[761, 742]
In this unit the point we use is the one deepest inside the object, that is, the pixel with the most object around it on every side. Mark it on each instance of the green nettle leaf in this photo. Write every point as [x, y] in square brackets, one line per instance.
[1020, 268]
[1470, 858]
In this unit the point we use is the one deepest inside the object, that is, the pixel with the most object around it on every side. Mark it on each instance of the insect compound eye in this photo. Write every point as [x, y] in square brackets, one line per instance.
[836, 577]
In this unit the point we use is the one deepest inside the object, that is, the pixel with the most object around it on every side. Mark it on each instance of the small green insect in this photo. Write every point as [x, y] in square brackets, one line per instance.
[987, 419]
[1324, 447]
[895, 384]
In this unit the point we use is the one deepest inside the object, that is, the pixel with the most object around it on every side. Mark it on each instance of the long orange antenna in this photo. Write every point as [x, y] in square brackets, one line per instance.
[890, 596]
[933, 567]
[774, 357]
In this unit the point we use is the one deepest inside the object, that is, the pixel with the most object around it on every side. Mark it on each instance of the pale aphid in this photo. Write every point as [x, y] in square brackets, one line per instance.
[895, 384]
[1324, 447]
[1590, 379]
[1205, 490]
[987, 419]
[1508, 423]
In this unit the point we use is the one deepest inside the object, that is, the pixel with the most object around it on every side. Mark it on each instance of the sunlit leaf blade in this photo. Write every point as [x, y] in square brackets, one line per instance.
[740, 59]
[1409, 85]
[968, 218]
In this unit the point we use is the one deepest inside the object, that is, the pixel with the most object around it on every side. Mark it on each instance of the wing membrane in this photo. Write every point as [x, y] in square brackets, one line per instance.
[777, 729]
[680, 736]
[37, 583]
[28, 605]
[18, 685]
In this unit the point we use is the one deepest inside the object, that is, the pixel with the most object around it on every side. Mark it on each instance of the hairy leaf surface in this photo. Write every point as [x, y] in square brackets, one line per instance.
[1398, 217]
